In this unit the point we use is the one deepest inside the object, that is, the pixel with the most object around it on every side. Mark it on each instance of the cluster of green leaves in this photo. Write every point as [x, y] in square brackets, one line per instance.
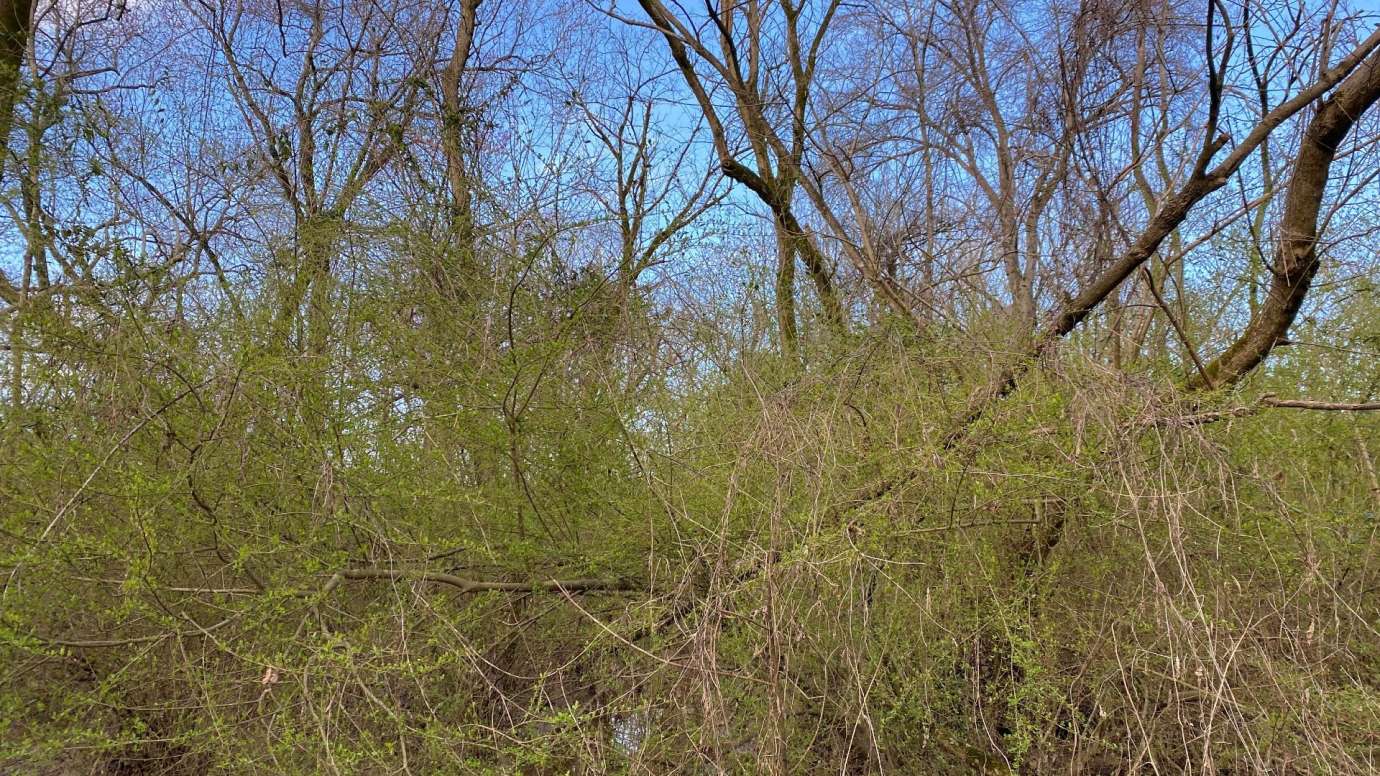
[821, 577]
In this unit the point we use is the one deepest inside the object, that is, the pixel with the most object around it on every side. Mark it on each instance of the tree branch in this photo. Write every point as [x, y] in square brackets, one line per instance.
[1267, 401]
[464, 585]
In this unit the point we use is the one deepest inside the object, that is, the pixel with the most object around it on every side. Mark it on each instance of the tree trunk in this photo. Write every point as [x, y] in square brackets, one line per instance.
[785, 293]
[16, 19]
[453, 145]
[1296, 257]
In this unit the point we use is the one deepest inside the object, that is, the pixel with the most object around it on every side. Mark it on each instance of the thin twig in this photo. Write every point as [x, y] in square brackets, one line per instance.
[1178, 328]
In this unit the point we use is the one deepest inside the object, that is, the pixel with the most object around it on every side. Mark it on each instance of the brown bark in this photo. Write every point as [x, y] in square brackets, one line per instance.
[773, 187]
[785, 293]
[1296, 256]
[1201, 183]
[1170, 214]
[1265, 402]
[16, 20]
[452, 125]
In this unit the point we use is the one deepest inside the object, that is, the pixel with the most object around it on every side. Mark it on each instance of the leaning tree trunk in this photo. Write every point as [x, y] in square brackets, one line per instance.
[1296, 257]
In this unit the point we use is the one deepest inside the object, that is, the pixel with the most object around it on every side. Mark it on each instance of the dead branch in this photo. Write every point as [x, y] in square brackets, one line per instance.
[464, 585]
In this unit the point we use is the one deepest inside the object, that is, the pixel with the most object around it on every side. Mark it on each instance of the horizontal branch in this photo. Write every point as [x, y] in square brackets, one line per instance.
[1267, 401]
[574, 585]
[464, 585]
[1198, 419]
[1331, 406]
[105, 643]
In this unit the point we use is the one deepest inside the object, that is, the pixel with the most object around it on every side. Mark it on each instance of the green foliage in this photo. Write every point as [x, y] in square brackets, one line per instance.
[812, 569]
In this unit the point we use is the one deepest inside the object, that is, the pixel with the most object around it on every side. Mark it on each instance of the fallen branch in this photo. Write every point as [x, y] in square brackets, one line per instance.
[1331, 406]
[1267, 401]
[1198, 419]
[579, 585]
[105, 643]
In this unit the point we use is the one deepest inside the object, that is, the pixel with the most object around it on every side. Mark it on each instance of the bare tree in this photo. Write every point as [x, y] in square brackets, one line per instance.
[327, 98]
[772, 111]
[1296, 258]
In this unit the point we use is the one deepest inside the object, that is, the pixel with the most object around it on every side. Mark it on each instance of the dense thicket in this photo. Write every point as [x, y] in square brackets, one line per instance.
[779, 386]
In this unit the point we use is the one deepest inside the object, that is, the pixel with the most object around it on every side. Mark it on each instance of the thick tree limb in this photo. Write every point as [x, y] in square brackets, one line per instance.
[464, 585]
[772, 189]
[452, 124]
[1170, 214]
[1201, 183]
[1296, 257]
[16, 22]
